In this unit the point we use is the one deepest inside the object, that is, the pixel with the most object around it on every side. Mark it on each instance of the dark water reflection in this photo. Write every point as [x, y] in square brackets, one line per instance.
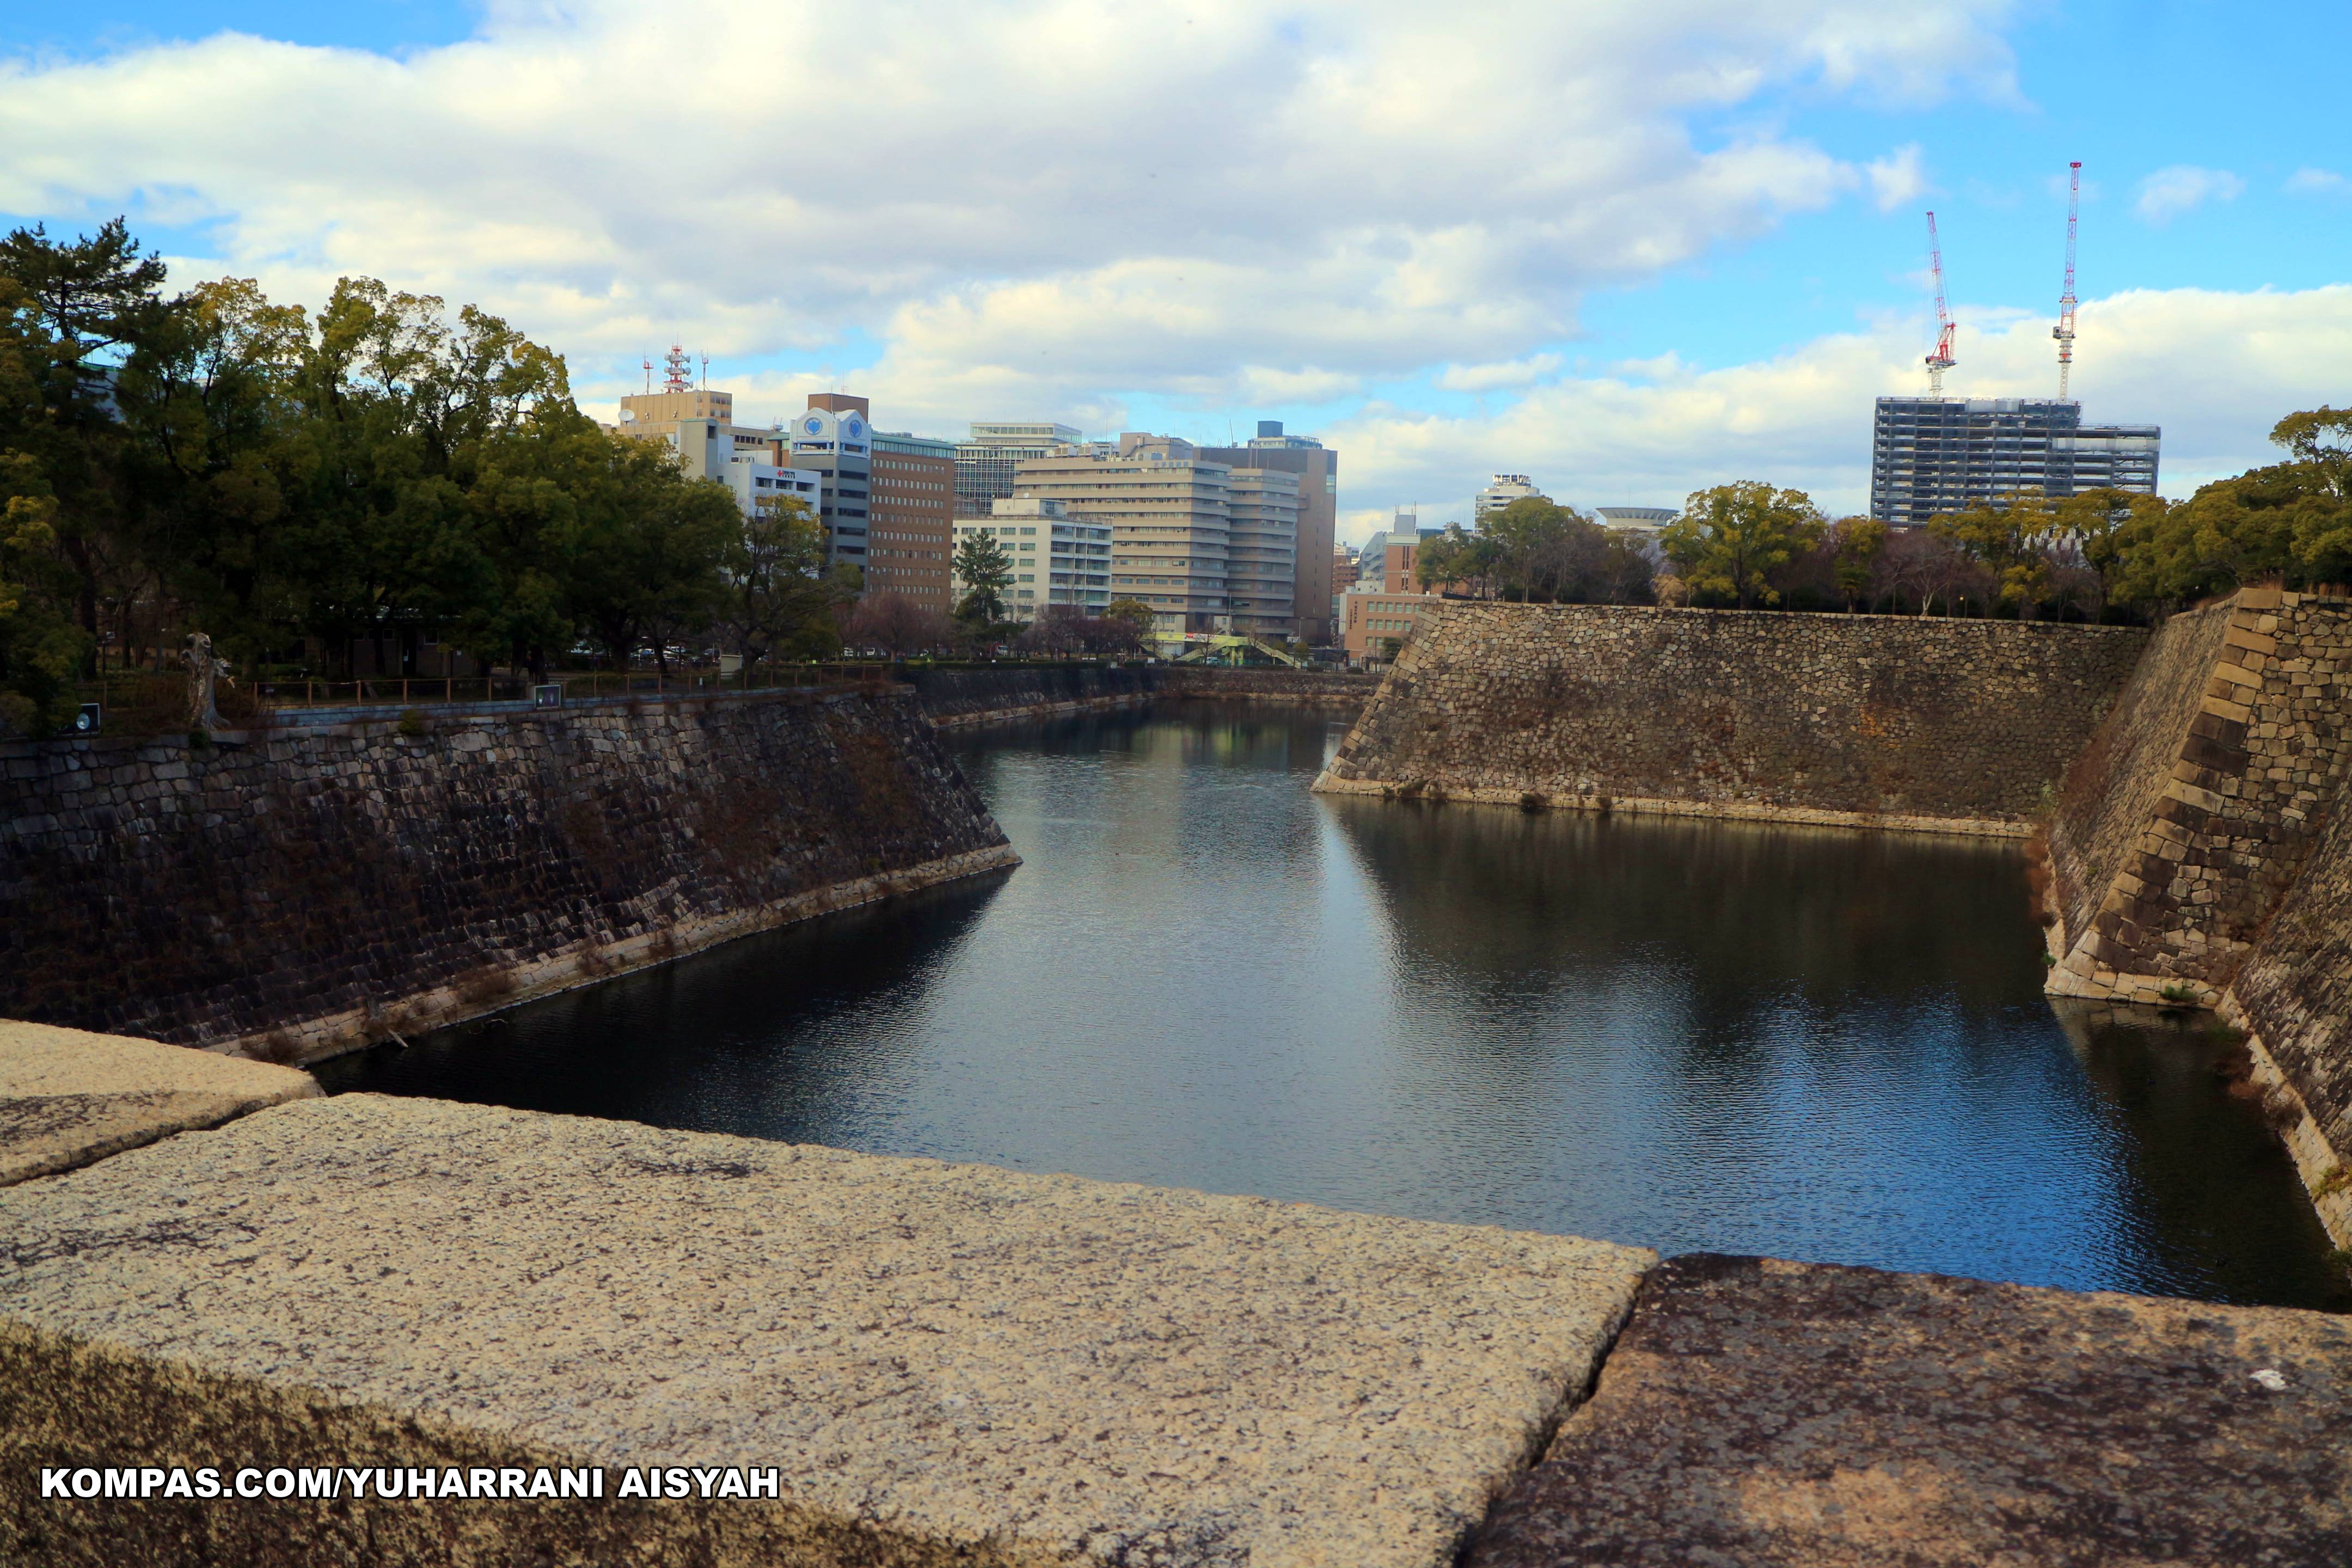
[1692, 1035]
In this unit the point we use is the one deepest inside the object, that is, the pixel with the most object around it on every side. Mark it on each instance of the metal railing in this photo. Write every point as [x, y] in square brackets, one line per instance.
[146, 703]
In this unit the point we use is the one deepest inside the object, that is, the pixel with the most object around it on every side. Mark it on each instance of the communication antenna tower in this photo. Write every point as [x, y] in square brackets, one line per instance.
[678, 379]
[649, 376]
[705, 370]
[2065, 330]
[1941, 359]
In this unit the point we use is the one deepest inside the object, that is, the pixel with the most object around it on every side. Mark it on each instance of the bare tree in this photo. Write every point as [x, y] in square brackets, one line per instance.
[896, 626]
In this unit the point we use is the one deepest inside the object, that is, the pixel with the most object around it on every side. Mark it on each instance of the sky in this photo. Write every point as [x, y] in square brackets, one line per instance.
[1631, 247]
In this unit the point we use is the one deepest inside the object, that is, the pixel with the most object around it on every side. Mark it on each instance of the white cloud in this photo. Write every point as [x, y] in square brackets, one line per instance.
[1898, 179]
[2317, 183]
[1497, 374]
[1030, 202]
[2216, 370]
[2182, 188]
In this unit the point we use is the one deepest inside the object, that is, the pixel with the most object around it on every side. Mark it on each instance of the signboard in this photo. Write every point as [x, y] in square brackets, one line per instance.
[86, 721]
[548, 696]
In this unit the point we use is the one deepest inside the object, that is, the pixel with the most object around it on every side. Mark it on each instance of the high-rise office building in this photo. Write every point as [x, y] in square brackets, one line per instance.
[1171, 524]
[834, 437]
[910, 521]
[1930, 455]
[1318, 467]
[1262, 550]
[985, 461]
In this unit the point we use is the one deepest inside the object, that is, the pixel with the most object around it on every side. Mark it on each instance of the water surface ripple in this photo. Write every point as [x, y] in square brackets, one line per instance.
[1810, 1043]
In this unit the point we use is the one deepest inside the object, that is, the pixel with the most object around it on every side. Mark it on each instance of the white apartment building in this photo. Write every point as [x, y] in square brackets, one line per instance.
[1507, 489]
[1058, 559]
[755, 480]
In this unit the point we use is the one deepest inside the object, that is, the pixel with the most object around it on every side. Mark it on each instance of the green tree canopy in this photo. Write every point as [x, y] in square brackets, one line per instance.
[986, 572]
[1731, 538]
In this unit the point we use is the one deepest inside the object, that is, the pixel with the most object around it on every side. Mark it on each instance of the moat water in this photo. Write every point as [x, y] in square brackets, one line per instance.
[1694, 1036]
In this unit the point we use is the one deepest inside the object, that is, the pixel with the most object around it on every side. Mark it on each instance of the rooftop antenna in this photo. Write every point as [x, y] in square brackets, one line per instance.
[649, 376]
[2065, 330]
[1941, 359]
[678, 379]
[705, 370]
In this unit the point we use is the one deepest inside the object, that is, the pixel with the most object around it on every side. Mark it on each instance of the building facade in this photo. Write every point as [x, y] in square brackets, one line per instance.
[1058, 560]
[1318, 467]
[1370, 620]
[1262, 551]
[910, 521]
[756, 481]
[985, 461]
[699, 427]
[1640, 518]
[1170, 516]
[1931, 455]
[1505, 489]
[834, 437]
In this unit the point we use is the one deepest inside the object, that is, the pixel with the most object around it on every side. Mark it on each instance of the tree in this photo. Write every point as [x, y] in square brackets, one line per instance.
[2011, 537]
[1855, 544]
[1129, 623]
[1730, 538]
[986, 572]
[1456, 557]
[896, 624]
[40, 647]
[1537, 550]
[645, 557]
[781, 598]
[1927, 567]
[79, 303]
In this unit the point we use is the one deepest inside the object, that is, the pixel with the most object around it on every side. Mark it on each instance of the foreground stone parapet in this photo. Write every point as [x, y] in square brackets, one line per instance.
[68, 1097]
[1762, 1413]
[948, 1363]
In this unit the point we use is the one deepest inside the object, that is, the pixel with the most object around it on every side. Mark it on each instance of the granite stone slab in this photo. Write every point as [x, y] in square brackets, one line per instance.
[1758, 1412]
[68, 1097]
[950, 1363]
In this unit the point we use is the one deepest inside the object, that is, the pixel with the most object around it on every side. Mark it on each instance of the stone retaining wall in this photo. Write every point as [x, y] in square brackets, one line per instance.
[958, 697]
[2194, 808]
[2201, 854]
[1891, 722]
[288, 893]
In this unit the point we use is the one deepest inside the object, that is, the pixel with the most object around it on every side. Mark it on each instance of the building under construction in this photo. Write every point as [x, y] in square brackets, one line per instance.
[1937, 454]
[1943, 453]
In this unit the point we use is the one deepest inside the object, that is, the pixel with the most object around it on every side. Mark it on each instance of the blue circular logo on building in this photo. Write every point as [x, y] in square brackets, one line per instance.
[815, 426]
[853, 427]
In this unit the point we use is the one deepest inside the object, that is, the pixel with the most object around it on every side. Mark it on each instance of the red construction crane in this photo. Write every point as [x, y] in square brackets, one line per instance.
[1941, 360]
[2065, 330]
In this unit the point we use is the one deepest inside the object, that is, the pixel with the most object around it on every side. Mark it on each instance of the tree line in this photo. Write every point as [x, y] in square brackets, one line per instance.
[296, 483]
[2101, 556]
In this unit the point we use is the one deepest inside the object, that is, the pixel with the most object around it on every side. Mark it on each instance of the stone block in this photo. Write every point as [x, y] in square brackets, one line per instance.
[948, 1363]
[68, 1098]
[1789, 1416]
